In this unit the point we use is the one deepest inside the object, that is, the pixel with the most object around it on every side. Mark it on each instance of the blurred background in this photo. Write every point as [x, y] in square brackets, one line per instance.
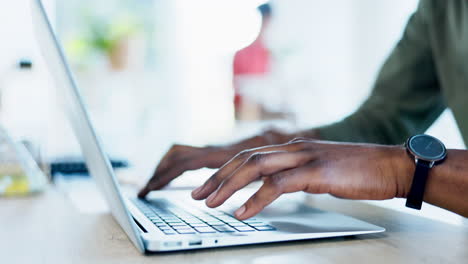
[157, 72]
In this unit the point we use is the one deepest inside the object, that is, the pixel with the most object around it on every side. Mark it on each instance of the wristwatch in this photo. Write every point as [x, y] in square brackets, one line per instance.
[427, 152]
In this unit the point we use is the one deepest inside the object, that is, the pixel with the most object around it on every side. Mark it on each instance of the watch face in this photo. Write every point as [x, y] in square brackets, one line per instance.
[427, 148]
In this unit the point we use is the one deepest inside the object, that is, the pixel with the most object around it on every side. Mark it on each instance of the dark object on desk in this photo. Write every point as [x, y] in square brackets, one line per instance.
[25, 64]
[78, 166]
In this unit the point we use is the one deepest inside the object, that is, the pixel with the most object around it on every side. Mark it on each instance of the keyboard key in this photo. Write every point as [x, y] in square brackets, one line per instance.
[222, 224]
[265, 228]
[212, 223]
[193, 221]
[244, 228]
[188, 218]
[224, 229]
[257, 224]
[216, 213]
[169, 217]
[209, 220]
[229, 220]
[179, 225]
[165, 214]
[174, 221]
[169, 232]
[252, 220]
[205, 230]
[237, 224]
[198, 225]
[186, 231]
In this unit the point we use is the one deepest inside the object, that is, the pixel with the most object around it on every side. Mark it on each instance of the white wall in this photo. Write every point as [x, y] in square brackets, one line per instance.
[16, 31]
[328, 52]
[28, 110]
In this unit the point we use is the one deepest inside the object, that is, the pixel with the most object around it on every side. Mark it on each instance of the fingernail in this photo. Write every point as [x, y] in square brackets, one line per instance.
[239, 212]
[211, 198]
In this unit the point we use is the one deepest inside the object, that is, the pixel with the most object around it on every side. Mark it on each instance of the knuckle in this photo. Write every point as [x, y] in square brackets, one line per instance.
[214, 180]
[320, 165]
[176, 147]
[256, 158]
[173, 152]
[181, 148]
[244, 154]
[300, 144]
[254, 202]
[276, 182]
[298, 139]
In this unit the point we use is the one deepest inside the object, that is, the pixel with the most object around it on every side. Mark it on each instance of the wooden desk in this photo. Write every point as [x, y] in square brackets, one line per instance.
[48, 229]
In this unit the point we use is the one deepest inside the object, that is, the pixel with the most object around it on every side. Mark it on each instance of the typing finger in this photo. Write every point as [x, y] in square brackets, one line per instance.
[289, 181]
[258, 165]
[227, 169]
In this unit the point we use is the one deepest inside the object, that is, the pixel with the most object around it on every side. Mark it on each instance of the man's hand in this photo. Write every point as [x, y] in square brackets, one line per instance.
[180, 159]
[352, 171]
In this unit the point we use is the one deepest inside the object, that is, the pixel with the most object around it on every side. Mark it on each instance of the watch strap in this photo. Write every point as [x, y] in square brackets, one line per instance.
[416, 193]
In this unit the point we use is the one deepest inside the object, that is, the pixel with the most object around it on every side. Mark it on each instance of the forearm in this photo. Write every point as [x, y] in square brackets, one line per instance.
[447, 185]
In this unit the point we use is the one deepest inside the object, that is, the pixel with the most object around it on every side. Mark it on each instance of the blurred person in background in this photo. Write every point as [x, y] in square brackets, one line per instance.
[426, 73]
[253, 63]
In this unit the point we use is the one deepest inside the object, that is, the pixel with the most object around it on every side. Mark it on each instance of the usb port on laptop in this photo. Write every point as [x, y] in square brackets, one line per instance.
[195, 243]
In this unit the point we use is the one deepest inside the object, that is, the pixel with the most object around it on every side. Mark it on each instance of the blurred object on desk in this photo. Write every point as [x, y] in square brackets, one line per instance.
[77, 166]
[19, 173]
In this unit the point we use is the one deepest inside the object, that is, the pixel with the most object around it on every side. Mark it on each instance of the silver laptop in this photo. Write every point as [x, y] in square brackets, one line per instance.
[171, 220]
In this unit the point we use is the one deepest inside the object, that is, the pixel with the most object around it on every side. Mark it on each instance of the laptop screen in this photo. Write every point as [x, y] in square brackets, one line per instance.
[75, 110]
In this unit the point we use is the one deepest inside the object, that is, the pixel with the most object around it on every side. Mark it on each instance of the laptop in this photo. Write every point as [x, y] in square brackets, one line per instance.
[171, 220]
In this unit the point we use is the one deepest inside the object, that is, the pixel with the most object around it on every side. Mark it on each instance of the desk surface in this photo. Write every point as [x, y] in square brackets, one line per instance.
[48, 229]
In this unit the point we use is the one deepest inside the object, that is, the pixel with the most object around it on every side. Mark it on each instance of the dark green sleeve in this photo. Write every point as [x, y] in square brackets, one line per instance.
[406, 98]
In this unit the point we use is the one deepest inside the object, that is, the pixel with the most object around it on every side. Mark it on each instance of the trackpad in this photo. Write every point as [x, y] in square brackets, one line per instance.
[290, 214]
[309, 220]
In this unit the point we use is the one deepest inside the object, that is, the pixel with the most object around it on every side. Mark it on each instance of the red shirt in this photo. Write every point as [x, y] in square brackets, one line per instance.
[252, 60]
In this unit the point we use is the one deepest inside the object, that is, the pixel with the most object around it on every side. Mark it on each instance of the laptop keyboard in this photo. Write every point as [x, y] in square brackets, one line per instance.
[172, 220]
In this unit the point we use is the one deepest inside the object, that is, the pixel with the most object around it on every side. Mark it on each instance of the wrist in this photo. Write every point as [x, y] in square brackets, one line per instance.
[404, 168]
